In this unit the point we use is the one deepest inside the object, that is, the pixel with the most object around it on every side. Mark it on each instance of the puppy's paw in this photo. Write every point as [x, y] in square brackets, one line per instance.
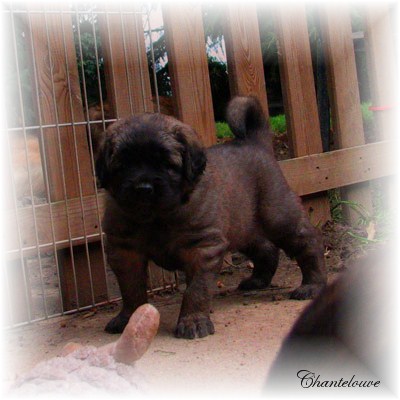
[252, 283]
[117, 324]
[305, 292]
[193, 325]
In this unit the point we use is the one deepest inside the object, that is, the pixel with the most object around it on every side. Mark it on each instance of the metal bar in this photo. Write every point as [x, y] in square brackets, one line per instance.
[63, 124]
[126, 61]
[77, 164]
[98, 77]
[58, 244]
[153, 61]
[90, 132]
[61, 156]
[44, 162]
[112, 63]
[28, 170]
[85, 308]
[138, 46]
[70, 12]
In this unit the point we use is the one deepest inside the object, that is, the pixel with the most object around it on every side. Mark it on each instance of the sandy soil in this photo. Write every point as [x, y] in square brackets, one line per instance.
[250, 328]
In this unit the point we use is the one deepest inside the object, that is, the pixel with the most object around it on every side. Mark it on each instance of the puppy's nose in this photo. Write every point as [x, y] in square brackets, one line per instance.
[144, 189]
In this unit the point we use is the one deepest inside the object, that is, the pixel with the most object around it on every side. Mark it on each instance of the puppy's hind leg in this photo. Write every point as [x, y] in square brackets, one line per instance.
[265, 257]
[306, 246]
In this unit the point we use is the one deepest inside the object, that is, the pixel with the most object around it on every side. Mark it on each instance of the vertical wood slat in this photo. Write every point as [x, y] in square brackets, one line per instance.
[384, 81]
[382, 69]
[70, 170]
[299, 94]
[297, 80]
[6, 139]
[15, 160]
[243, 49]
[188, 68]
[344, 92]
[125, 60]
[81, 276]
[61, 61]
[16, 297]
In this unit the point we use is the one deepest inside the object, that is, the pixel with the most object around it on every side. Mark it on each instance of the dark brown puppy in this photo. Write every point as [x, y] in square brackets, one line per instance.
[349, 329]
[183, 207]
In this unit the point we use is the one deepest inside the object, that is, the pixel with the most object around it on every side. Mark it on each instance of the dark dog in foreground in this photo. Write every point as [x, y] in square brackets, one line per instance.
[183, 206]
[348, 330]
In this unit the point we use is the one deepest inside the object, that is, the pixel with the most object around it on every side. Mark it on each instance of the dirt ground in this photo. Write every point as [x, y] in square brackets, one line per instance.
[250, 327]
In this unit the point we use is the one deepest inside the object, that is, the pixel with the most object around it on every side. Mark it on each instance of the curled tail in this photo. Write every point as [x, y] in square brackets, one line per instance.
[246, 117]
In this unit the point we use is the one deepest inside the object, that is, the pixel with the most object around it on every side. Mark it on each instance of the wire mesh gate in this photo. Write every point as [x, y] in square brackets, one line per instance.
[71, 71]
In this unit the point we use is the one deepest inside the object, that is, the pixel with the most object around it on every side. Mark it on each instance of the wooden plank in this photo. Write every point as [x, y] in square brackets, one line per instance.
[243, 50]
[67, 153]
[159, 278]
[384, 79]
[299, 93]
[125, 60]
[319, 172]
[188, 68]
[16, 296]
[61, 247]
[382, 70]
[344, 93]
[16, 292]
[7, 170]
[55, 215]
[85, 284]
[68, 160]
[297, 80]
[305, 175]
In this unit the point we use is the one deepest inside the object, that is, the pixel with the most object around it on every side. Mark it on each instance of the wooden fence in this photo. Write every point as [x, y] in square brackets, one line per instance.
[68, 224]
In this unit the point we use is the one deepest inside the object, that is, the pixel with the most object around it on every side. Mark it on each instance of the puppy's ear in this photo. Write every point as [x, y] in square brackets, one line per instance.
[103, 160]
[193, 156]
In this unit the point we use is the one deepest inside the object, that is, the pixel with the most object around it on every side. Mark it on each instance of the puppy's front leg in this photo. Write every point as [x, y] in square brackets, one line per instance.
[201, 265]
[130, 268]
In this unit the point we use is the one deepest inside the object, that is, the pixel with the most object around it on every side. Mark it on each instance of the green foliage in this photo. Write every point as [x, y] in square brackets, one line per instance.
[278, 123]
[364, 215]
[335, 205]
[223, 130]
[213, 15]
[378, 220]
[367, 116]
[87, 41]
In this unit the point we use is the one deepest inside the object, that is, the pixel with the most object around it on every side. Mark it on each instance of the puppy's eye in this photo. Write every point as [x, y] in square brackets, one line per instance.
[116, 168]
[174, 168]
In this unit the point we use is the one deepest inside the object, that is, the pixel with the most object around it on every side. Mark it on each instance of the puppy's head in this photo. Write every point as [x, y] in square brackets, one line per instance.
[150, 163]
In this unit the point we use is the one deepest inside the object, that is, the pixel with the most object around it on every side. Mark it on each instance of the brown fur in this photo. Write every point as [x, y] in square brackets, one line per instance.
[346, 330]
[182, 206]
[98, 113]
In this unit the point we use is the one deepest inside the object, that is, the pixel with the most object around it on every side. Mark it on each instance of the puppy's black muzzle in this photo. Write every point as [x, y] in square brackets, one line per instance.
[144, 190]
[139, 193]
